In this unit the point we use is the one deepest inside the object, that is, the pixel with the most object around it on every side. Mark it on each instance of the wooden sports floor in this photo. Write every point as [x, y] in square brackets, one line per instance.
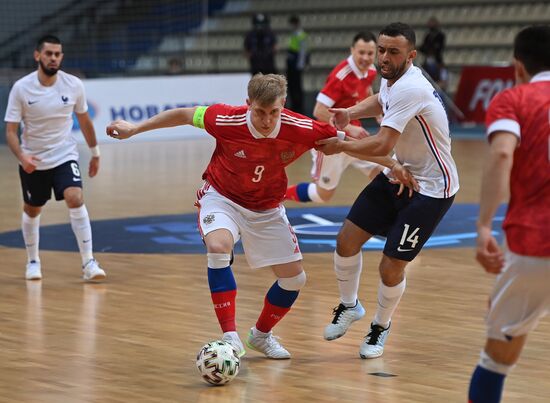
[135, 337]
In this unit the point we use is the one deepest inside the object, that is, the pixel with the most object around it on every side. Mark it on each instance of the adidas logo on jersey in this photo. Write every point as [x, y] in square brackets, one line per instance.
[240, 154]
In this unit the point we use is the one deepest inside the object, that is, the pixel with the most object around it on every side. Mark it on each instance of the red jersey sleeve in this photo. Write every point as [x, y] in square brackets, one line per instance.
[502, 114]
[331, 92]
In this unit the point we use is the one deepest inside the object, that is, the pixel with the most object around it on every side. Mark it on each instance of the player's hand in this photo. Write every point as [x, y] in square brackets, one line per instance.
[340, 118]
[28, 163]
[332, 145]
[121, 129]
[488, 253]
[93, 168]
[356, 132]
[404, 178]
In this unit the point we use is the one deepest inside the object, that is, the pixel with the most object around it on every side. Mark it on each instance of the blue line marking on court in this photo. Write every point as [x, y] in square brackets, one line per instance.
[315, 227]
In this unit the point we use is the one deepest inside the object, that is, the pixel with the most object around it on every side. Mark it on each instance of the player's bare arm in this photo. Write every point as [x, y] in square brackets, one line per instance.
[122, 129]
[321, 113]
[496, 176]
[28, 162]
[87, 128]
[379, 145]
[367, 108]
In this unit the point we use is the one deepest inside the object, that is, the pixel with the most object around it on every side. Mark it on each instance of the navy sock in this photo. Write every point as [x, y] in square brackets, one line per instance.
[485, 386]
[301, 191]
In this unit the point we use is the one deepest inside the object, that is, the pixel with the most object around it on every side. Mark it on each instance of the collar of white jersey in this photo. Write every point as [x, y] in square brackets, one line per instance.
[256, 134]
[355, 69]
[542, 76]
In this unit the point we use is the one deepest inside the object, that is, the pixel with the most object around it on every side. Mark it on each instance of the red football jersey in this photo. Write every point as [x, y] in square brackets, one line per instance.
[525, 111]
[247, 167]
[346, 86]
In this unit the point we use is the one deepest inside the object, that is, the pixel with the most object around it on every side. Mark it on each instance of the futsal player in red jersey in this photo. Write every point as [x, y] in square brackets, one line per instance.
[244, 186]
[518, 127]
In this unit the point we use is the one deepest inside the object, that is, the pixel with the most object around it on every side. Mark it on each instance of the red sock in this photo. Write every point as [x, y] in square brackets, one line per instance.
[224, 305]
[270, 316]
[291, 193]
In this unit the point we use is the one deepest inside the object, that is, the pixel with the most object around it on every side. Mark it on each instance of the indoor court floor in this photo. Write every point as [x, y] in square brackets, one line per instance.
[134, 338]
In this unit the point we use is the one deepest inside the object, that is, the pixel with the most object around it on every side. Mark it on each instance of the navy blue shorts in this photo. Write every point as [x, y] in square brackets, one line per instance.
[37, 186]
[406, 222]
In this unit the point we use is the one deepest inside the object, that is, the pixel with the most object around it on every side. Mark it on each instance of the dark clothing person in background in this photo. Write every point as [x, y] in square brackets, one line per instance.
[432, 48]
[296, 61]
[260, 44]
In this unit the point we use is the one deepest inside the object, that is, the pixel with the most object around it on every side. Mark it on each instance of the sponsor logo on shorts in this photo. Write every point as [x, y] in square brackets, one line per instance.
[240, 154]
[400, 249]
[209, 219]
[325, 179]
[226, 304]
[76, 179]
[32, 102]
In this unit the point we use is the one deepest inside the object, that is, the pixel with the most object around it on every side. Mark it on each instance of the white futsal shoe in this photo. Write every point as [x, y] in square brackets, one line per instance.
[33, 271]
[233, 339]
[373, 346]
[92, 272]
[266, 343]
[343, 318]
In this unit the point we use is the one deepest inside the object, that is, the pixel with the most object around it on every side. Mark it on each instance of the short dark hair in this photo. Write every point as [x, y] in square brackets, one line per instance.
[364, 35]
[532, 48]
[400, 29]
[47, 39]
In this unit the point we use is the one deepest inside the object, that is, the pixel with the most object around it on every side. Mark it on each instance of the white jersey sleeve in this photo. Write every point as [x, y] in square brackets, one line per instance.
[14, 110]
[81, 105]
[404, 105]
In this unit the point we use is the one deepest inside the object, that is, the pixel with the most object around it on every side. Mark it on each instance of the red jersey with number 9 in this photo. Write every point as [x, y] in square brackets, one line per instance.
[247, 167]
[525, 111]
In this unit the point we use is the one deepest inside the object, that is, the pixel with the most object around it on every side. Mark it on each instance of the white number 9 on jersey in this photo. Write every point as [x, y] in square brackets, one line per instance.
[258, 173]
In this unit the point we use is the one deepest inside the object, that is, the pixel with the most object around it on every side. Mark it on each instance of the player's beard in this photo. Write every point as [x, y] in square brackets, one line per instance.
[394, 72]
[47, 70]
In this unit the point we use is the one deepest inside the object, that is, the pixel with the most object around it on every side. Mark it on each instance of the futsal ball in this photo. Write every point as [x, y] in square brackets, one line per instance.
[218, 362]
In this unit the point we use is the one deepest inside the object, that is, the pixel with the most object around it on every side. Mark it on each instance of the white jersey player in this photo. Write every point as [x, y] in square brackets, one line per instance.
[44, 102]
[415, 127]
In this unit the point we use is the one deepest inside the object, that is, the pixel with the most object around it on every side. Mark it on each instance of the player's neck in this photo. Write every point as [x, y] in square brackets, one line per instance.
[46, 80]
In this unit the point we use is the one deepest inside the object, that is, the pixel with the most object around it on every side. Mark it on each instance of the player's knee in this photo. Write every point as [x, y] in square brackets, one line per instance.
[73, 199]
[293, 283]
[325, 194]
[218, 260]
[346, 245]
[495, 364]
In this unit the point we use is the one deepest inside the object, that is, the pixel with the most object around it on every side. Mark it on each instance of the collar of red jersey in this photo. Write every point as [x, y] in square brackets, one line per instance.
[356, 70]
[256, 134]
[542, 76]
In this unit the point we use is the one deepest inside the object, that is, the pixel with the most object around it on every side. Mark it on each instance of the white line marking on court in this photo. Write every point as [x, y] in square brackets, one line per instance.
[317, 220]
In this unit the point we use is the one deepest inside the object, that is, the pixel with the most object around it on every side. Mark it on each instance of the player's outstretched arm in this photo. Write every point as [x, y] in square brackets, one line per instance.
[122, 129]
[369, 107]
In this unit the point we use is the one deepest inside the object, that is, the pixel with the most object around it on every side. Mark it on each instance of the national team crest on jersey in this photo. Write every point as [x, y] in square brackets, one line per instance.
[209, 219]
[287, 155]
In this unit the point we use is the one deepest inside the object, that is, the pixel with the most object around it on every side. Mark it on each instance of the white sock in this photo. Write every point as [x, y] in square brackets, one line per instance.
[80, 223]
[388, 299]
[348, 274]
[313, 194]
[256, 332]
[234, 335]
[30, 227]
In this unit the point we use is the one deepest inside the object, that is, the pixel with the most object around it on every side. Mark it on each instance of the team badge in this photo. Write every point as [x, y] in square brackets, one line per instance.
[287, 155]
[209, 219]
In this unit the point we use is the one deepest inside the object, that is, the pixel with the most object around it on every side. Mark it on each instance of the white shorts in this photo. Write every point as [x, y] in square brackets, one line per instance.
[267, 236]
[328, 169]
[520, 298]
